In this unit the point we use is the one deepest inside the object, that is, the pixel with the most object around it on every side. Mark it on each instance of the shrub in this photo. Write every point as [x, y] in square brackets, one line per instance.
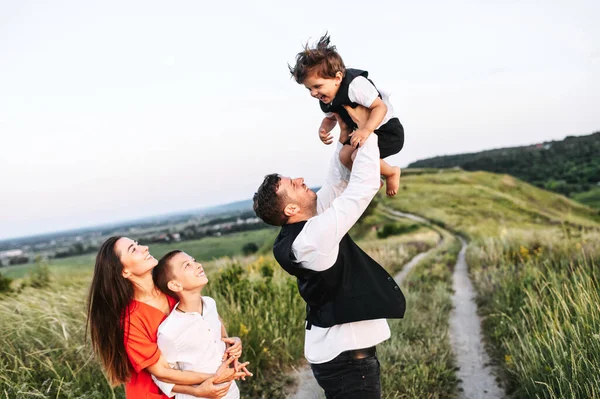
[40, 275]
[250, 248]
[392, 229]
[5, 284]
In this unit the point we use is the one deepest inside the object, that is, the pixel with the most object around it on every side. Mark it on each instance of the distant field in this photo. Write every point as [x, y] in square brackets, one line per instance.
[204, 249]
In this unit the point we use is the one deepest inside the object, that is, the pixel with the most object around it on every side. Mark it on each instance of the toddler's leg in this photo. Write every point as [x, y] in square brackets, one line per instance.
[347, 156]
[392, 177]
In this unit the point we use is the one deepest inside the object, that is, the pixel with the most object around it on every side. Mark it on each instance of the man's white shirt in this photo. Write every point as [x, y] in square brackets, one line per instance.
[192, 341]
[340, 202]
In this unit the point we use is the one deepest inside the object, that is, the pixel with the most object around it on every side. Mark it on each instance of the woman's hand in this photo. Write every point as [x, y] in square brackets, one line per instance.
[234, 347]
[211, 389]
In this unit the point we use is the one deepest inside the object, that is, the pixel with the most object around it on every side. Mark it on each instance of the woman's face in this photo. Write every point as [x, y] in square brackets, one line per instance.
[135, 258]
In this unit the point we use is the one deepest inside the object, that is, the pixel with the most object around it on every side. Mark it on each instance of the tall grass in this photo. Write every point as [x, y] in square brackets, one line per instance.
[395, 251]
[260, 304]
[44, 353]
[540, 293]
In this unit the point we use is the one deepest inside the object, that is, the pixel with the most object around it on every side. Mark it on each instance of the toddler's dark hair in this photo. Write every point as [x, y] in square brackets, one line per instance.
[323, 60]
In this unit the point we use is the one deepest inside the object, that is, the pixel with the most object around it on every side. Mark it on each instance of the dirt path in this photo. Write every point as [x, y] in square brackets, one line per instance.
[476, 376]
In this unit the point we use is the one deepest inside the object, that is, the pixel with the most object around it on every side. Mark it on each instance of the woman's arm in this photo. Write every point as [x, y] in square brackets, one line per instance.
[162, 371]
[208, 389]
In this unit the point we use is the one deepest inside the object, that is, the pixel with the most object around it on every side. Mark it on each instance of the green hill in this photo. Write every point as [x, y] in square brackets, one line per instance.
[483, 204]
[570, 167]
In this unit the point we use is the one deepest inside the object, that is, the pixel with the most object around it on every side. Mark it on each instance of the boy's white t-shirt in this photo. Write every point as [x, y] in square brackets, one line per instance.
[362, 92]
[192, 341]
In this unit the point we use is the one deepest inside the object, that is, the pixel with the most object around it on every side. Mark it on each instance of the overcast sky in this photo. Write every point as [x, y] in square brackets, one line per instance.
[116, 110]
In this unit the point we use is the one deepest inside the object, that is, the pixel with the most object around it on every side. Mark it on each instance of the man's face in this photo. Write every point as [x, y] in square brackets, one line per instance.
[298, 193]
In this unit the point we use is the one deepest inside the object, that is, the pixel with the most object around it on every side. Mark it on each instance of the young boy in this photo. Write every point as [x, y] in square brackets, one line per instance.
[193, 336]
[323, 73]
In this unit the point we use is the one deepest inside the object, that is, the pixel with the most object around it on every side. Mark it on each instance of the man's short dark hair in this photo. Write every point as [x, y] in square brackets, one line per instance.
[268, 205]
[323, 60]
[163, 273]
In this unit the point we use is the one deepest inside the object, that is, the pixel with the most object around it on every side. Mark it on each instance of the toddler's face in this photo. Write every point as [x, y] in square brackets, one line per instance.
[323, 89]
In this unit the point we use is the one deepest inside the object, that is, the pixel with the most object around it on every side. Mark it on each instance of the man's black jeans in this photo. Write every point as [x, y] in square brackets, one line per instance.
[348, 377]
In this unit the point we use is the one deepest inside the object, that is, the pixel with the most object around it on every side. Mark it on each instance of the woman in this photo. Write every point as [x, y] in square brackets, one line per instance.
[125, 309]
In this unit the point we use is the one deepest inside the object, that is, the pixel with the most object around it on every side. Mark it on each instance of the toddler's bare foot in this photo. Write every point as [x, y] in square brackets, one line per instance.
[393, 182]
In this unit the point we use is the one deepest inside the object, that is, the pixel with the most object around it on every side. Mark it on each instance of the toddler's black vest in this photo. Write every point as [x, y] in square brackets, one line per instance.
[355, 288]
[341, 98]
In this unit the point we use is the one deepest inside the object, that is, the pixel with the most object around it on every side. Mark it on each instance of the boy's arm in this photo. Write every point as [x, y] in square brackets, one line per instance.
[362, 92]
[234, 344]
[378, 111]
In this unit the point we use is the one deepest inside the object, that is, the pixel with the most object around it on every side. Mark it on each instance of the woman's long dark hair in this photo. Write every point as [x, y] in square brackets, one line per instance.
[110, 294]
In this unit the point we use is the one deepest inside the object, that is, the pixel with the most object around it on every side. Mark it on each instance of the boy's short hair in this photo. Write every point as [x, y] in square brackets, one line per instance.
[323, 60]
[268, 205]
[163, 273]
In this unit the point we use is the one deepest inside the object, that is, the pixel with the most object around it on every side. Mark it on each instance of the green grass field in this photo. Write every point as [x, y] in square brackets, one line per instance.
[533, 258]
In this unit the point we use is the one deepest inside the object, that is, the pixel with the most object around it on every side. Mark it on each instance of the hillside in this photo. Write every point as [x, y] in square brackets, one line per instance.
[570, 167]
[484, 204]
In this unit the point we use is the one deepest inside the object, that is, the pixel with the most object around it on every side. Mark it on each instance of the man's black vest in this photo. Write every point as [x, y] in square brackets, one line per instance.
[341, 98]
[355, 288]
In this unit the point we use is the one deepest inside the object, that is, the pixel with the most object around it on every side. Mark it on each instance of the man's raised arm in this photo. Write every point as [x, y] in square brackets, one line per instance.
[337, 176]
[325, 231]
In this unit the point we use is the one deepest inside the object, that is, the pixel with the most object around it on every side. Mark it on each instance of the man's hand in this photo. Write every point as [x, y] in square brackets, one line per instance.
[210, 389]
[360, 115]
[234, 343]
[358, 137]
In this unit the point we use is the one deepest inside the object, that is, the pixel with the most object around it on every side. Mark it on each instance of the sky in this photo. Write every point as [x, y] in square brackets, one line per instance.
[117, 110]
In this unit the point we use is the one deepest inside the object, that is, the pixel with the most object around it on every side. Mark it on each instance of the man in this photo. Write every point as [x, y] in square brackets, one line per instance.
[348, 295]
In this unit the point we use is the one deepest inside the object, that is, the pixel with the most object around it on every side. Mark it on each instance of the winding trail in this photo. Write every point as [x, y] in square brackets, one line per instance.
[476, 376]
